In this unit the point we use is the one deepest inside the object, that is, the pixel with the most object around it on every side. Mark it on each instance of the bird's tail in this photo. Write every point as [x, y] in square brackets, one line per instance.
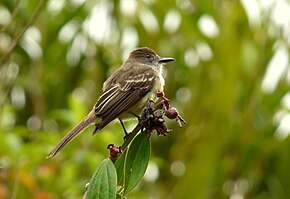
[87, 121]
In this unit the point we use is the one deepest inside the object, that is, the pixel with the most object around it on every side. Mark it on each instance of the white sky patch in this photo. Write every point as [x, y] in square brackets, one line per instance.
[236, 189]
[191, 57]
[172, 21]
[9, 72]
[149, 21]
[275, 69]
[204, 51]
[55, 6]
[5, 16]
[5, 42]
[152, 172]
[77, 2]
[128, 7]
[278, 116]
[286, 101]
[253, 11]
[18, 97]
[282, 118]
[129, 41]
[67, 32]
[208, 26]
[281, 16]
[277, 10]
[98, 24]
[278, 67]
[283, 129]
[266, 5]
[281, 13]
[30, 43]
[77, 48]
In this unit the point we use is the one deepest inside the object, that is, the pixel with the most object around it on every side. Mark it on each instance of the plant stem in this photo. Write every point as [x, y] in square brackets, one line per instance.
[131, 136]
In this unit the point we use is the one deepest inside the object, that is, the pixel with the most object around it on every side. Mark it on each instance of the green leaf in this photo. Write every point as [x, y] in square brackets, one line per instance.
[104, 181]
[120, 165]
[136, 161]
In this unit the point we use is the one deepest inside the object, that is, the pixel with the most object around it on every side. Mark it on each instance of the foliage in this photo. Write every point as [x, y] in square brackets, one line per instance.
[231, 145]
[136, 162]
[129, 169]
[104, 182]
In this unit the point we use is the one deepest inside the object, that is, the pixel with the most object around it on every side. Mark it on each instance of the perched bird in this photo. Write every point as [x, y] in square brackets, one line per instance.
[125, 93]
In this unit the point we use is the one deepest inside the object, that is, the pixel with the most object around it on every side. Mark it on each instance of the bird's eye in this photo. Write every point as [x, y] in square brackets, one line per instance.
[147, 55]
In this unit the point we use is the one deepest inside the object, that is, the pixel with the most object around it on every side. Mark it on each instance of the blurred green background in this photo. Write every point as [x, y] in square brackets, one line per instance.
[230, 82]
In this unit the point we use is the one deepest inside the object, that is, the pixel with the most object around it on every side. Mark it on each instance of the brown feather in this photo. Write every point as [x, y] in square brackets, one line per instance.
[129, 92]
[124, 92]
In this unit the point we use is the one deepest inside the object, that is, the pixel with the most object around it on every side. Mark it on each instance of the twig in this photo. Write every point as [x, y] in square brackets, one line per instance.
[116, 151]
[150, 119]
[15, 11]
[20, 35]
[131, 136]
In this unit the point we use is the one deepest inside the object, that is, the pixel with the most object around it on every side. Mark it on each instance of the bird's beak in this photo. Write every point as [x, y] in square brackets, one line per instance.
[164, 60]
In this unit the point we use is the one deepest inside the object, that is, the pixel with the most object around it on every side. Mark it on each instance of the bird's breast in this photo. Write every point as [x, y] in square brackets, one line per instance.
[151, 95]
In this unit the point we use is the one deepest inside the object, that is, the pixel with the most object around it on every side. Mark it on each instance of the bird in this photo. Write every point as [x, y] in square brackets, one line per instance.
[125, 93]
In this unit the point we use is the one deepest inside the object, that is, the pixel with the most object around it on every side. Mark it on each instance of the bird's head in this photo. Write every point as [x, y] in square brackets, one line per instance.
[146, 55]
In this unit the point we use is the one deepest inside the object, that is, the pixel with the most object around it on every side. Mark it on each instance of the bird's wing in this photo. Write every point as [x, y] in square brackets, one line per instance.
[122, 95]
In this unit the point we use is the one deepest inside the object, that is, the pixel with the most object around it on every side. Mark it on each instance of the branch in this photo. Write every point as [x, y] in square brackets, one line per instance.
[15, 11]
[151, 119]
[131, 136]
[6, 57]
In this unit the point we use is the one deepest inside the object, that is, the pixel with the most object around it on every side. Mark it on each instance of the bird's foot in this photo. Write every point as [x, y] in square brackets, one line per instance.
[126, 135]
